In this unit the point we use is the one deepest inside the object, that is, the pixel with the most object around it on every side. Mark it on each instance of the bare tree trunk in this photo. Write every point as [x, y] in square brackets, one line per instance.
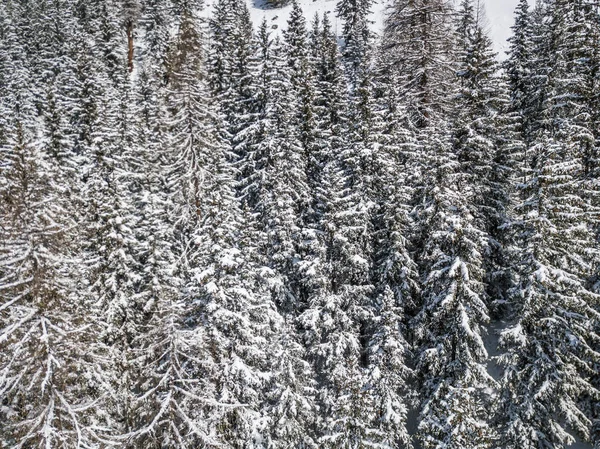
[130, 45]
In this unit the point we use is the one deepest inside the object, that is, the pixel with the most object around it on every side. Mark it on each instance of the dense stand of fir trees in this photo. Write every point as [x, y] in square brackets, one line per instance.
[235, 238]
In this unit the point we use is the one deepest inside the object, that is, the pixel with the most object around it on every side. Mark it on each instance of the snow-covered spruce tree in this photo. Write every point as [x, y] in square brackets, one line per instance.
[274, 168]
[241, 83]
[329, 120]
[485, 140]
[252, 163]
[57, 30]
[101, 119]
[108, 138]
[329, 109]
[302, 61]
[414, 74]
[101, 20]
[291, 408]
[332, 338]
[388, 379]
[220, 280]
[327, 326]
[155, 21]
[241, 103]
[229, 61]
[50, 373]
[454, 384]
[552, 375]
[357, 36]
[393, 187]
[333, 326]
[452, 246]
[518, 68]
[109, 223]
[256, 146]
[394, 274]
[296, 40]
[26, 20]
[166, 379]
[589, 63]
[263, 131]
[359, 153]
[160, 371]
[351, 199]
[395, 283]
[463, 261]
[87, 92]
[574, 28]
[418, 45]
[172, 387]
[418, 40]
[549, 351]
[540, 65]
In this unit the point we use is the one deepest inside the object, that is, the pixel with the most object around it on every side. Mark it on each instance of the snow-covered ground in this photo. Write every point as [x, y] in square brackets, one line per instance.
[580, 445]
[490, 340]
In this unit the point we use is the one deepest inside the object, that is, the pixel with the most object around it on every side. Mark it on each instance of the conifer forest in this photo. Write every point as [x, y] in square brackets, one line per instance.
[302, 234]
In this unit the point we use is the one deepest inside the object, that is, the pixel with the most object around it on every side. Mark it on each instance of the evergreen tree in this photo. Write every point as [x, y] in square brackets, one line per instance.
[221, 282]
[286, 196]
[540, 66]
[418, 40]
[291, 409]
[555, 200]
[357, 36]
[549, 351]
[230, 60]
[518, 67]
[451, 354]
[484, 141]
[155, 20]
[297, 53]
[48, 337]
[334, 325]
[246, 142]
[574, 27]
[394, 274]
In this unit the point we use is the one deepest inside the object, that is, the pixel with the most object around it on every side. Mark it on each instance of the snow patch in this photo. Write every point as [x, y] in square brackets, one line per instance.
[211, 288]
[491, 342]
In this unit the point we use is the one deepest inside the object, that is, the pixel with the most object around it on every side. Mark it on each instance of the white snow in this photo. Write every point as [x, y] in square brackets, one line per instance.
[211, 288]
[360, 261]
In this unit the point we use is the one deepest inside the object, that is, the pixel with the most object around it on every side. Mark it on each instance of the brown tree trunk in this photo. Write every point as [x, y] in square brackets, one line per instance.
[130, 45]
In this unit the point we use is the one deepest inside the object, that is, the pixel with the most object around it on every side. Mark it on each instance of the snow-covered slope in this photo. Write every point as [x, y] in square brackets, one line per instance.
[277, 17]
